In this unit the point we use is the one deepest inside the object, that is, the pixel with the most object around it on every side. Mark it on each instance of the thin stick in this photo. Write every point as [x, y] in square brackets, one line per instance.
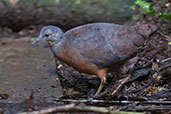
[149, 108]
[165, 60]
[122, 83]
[79, 108]
[114, 101]
[167, 37]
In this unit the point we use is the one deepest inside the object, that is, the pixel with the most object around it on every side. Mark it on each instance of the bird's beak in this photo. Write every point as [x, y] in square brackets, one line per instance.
[37, 40]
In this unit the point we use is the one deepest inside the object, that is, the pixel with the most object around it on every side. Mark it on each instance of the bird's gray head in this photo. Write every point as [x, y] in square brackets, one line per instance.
[49, 33]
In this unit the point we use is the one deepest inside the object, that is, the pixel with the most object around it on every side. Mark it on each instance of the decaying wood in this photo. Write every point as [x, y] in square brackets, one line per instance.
[166, 71]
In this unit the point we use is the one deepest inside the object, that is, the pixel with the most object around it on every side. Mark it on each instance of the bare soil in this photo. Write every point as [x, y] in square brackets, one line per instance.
[25, 68]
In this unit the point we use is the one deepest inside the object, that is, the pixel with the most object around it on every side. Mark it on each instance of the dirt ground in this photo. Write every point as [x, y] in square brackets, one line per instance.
[25, 68]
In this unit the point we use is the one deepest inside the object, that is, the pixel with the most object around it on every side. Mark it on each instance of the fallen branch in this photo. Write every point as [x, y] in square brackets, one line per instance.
[79, 108]
[149, 108]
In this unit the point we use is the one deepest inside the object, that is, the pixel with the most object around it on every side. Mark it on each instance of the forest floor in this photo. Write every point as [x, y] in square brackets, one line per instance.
[29, 81]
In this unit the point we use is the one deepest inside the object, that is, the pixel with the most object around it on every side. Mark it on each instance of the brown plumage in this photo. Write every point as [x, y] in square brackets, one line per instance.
[97, 48]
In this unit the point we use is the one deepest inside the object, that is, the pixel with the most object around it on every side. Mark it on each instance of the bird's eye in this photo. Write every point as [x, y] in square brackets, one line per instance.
[46, 35]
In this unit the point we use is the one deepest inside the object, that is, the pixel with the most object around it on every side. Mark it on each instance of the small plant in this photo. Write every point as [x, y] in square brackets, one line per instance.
[165, 16]
[147, 8]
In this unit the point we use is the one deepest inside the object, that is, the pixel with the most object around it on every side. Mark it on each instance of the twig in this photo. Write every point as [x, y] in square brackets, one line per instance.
[122, 83]
[149, 108]
[79, 108]
[145, 65]
[167, 37]
[163, 7]
[165, 60]
[114, 101]
[164, 67]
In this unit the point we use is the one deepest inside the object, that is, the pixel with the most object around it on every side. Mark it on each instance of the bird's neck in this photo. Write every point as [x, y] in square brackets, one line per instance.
[55, 41]
[55, 47]
[52, 43]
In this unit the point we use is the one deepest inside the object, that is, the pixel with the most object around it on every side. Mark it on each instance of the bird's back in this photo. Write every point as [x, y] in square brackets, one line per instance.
[102, 44]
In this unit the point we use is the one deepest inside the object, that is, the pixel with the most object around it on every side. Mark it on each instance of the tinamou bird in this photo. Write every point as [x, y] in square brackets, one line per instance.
[97, 48]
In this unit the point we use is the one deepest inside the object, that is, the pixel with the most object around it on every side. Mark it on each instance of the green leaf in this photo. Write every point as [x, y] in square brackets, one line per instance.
[166, 16]
[169, 43]
[145, 6]
[134, 17]
[133, 7]
[152, 10]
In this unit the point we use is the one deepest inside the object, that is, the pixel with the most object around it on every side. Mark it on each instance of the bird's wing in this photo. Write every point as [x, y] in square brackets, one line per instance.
[91, 42]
